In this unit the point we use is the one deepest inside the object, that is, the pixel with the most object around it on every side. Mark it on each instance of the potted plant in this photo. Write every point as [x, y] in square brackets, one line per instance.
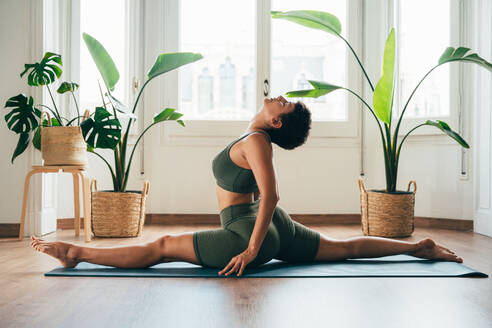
[60, 142]
[387, 212]
[120, 212]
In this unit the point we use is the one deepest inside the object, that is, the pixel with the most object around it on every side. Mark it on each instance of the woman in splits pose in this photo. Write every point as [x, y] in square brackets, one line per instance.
[254, 229]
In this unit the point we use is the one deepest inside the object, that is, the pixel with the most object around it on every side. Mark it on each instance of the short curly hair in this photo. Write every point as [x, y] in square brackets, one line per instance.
[295, 128]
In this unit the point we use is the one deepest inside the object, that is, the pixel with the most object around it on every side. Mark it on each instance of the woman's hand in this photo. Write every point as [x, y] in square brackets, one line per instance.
[239, 262]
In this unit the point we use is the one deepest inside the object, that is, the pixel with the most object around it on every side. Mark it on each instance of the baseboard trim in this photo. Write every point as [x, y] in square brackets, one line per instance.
[12, 229]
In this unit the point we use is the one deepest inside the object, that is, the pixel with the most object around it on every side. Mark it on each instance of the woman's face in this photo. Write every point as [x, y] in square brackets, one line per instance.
[274, 107]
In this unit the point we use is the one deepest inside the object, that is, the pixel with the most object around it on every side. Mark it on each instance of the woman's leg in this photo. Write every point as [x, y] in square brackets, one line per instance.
[369, 246]
[168, 248]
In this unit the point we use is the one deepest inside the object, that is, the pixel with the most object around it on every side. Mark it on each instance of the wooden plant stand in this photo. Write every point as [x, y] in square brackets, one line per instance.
[76, 172]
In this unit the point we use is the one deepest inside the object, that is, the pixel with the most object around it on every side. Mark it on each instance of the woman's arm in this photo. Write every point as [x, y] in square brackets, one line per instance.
[258, 153]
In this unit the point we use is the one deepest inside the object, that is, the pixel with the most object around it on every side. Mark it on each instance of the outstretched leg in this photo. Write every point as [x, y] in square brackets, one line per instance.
[168, 248]
[370, 246]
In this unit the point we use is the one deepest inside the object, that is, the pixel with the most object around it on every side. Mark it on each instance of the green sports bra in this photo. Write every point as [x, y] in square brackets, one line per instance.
[229, 175]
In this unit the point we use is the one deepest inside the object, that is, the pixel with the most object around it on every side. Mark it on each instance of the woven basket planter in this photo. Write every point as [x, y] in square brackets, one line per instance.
[387, 214]
[62, 145]
[118, 214]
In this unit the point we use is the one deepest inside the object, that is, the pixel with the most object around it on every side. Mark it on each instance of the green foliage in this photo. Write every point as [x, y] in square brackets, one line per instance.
[383, 94]
[102, 131]
[105, 64]
[45, 72]
[103, 61]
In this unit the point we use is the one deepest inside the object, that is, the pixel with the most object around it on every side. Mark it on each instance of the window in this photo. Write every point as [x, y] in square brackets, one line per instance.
[425, 29]
[243, 45]
[300, 54]
[110, 30]
[221, 86]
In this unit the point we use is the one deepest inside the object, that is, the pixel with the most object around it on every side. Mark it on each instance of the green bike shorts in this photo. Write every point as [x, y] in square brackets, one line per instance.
[286, 240]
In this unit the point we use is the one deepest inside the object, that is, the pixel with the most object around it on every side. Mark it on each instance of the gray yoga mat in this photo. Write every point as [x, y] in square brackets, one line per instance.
[388, 266]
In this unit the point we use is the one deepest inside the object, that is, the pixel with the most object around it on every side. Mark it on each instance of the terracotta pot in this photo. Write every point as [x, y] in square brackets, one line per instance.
[386, 214]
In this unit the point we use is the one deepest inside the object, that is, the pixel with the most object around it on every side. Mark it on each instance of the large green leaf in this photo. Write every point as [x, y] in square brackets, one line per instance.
[102, 131]
[168, 114]
[444, 127]
[44, 72]
[320, 89]
[103, 61]
[67, 86]
[319, 20]
[383, 94]
[22, 116]
[36, 140]
[21, 145]
[451, 54]
[169, 61]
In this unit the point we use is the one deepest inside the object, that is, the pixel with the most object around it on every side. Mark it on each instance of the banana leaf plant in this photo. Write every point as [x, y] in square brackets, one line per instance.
[23, 114]
[92, 130]
[382, 109]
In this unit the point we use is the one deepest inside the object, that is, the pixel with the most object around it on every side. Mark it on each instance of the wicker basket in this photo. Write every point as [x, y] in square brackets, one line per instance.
[387, 214]
[118, 214]
[62, 145]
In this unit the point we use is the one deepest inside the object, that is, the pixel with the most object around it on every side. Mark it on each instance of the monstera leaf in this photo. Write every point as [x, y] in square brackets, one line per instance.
[36, 139]
[102, 131]
[44, 72]
[67, 86]
[22, 116]
[451, 54]
[103, 61]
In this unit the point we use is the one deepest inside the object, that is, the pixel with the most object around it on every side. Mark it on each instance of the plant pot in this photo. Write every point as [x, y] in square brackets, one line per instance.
[62, 145]
[386, 214]
[118, 214]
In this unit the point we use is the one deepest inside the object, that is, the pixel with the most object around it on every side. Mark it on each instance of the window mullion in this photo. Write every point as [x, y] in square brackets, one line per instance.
[263, 50]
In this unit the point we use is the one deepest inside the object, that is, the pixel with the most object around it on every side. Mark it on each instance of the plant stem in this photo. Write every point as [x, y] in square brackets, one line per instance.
[395, 136]
[360, 64]
[109, 167]
[56, 109]
[77, 107]
[127, 172]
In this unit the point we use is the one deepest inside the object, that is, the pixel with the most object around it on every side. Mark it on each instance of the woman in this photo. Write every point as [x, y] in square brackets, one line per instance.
[254, 230]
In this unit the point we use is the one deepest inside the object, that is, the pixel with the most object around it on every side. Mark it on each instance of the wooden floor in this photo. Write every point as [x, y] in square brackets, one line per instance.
[29, 299]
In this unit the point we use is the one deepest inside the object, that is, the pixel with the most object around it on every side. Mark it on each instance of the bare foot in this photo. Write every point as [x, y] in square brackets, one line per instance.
[428, 249]
[64, 252]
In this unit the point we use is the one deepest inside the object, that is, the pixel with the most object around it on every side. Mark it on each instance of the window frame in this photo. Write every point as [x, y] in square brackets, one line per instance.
[455, 80]
[230, 128]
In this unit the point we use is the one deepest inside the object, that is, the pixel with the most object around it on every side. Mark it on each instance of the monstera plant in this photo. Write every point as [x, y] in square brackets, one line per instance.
[23, 114]
[94, 132]
[382, 95]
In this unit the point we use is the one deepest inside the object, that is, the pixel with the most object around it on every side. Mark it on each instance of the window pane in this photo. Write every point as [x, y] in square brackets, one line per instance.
[424, 35]
[222, 85]
[300, 54]
[109, 30]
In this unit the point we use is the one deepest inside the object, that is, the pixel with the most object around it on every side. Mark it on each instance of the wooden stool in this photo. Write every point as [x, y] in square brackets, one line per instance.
[76, 172]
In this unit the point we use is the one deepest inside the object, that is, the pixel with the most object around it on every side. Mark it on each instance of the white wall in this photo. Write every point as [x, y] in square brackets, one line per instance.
[312, 179]
[15, 52]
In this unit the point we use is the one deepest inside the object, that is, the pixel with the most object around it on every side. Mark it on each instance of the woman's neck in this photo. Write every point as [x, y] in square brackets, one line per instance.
[257, 123]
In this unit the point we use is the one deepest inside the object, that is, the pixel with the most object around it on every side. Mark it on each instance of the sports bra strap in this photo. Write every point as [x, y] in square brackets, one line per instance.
[247, 134]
